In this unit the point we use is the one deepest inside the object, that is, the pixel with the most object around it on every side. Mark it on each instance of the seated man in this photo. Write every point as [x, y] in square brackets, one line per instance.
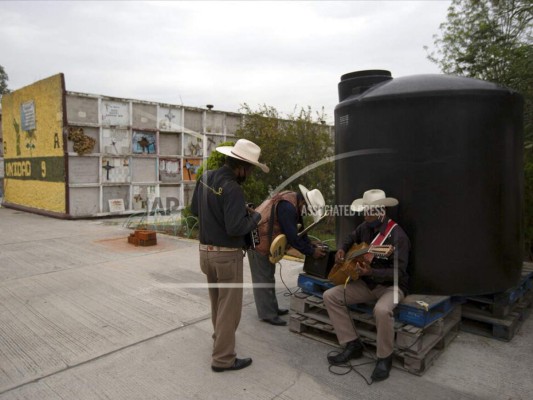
[376, 283]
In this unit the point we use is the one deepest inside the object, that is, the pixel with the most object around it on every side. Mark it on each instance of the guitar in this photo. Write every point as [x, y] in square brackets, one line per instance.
[279, 244]
[362, 252]
[277, 248]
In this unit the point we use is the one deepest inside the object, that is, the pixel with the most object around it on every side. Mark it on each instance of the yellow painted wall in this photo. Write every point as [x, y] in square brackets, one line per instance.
[34, 159]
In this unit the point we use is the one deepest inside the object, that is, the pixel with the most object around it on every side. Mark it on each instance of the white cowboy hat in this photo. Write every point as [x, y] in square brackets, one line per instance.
[246, 151]
[315, 202]
[373, 197]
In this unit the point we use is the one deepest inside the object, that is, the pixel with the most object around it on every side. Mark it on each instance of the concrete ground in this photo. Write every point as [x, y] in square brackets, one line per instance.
[84, 315]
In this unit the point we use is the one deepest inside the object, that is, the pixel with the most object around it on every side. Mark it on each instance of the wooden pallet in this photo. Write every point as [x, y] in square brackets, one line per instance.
[483, 322]
[501, 304]
[422, 310]
[415, 348]
[313, 285]
[415, 309]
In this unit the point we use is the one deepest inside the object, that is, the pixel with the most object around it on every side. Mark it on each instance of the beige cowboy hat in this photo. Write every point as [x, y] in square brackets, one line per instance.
[246, 151]
[315, 201]
[373, 197]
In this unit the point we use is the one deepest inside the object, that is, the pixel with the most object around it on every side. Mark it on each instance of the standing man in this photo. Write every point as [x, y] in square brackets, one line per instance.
[281, 214]
[376, 283]
[224, 221]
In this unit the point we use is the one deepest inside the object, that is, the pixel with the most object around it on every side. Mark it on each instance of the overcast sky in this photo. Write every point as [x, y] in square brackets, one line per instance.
[283, 54]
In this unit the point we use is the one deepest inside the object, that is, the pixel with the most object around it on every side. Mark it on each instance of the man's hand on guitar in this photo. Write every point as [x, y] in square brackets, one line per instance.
[363, 269]
[339, 255]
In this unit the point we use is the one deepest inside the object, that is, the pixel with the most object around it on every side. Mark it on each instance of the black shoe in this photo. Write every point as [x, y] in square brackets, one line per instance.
[353, 349]
[283, 311]
[383, 366]
[239, 363]
[276, 321]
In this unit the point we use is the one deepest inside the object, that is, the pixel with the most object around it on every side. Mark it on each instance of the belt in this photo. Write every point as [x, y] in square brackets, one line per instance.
[208, 247]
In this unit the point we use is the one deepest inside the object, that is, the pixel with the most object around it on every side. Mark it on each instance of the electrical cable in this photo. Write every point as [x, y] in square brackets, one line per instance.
[348, 366]
[288, 292]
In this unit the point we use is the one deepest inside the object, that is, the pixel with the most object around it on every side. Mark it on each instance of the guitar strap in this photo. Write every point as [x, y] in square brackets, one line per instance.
[271, 222]
[381, 237]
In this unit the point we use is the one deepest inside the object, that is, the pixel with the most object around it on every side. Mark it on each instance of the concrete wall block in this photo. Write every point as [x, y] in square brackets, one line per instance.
[194, 120]
[169, 144]
[214, 122]
[82, 109]
[116, 192]
[83, 169]
[84, 201]
[144, 169]
[144, 116]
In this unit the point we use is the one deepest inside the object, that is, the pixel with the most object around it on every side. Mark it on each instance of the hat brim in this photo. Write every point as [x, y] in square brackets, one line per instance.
[227, 150]
[304, 191]
[321, 203]
[358, 205]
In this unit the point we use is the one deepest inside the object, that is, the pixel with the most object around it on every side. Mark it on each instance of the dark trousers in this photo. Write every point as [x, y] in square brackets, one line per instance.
[264, 285]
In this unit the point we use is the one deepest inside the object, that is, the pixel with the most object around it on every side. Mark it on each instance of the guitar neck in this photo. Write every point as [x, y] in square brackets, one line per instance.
[371, 249]
[357, 254]
[312, 225]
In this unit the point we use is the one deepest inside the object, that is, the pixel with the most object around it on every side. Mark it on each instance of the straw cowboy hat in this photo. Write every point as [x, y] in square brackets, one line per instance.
[373, 197]
[246, 151]
[315, 201]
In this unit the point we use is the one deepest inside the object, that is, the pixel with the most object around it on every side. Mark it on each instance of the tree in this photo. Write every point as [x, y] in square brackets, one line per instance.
[214, 161]
[490, 40]
[287, 146]
[493, 41]
[3, 81]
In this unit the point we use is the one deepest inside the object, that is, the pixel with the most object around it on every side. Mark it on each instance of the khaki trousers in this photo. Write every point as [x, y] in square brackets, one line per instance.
[224, 267]
[358, 292]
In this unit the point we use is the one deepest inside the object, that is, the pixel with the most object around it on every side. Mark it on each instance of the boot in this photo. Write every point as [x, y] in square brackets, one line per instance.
[383, 367]
[353, 349]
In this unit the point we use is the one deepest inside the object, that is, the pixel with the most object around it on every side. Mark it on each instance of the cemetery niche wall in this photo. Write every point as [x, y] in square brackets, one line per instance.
[103, 155]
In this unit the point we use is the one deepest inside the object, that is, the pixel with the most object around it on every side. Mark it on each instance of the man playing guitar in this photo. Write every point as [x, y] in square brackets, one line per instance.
[376, 282]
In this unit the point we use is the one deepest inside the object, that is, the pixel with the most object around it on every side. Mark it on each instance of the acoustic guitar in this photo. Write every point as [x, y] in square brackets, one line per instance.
[358, 253]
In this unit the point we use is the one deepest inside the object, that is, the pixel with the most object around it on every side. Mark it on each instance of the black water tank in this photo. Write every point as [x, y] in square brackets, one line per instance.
[450, 149]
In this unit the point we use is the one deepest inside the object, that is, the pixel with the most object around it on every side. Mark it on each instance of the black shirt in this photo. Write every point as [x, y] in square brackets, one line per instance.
[219, 204]
[383, 269]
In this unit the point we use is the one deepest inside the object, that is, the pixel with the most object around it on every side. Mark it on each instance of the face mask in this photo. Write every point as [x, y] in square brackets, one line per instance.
[374, 224]
[241, 177]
